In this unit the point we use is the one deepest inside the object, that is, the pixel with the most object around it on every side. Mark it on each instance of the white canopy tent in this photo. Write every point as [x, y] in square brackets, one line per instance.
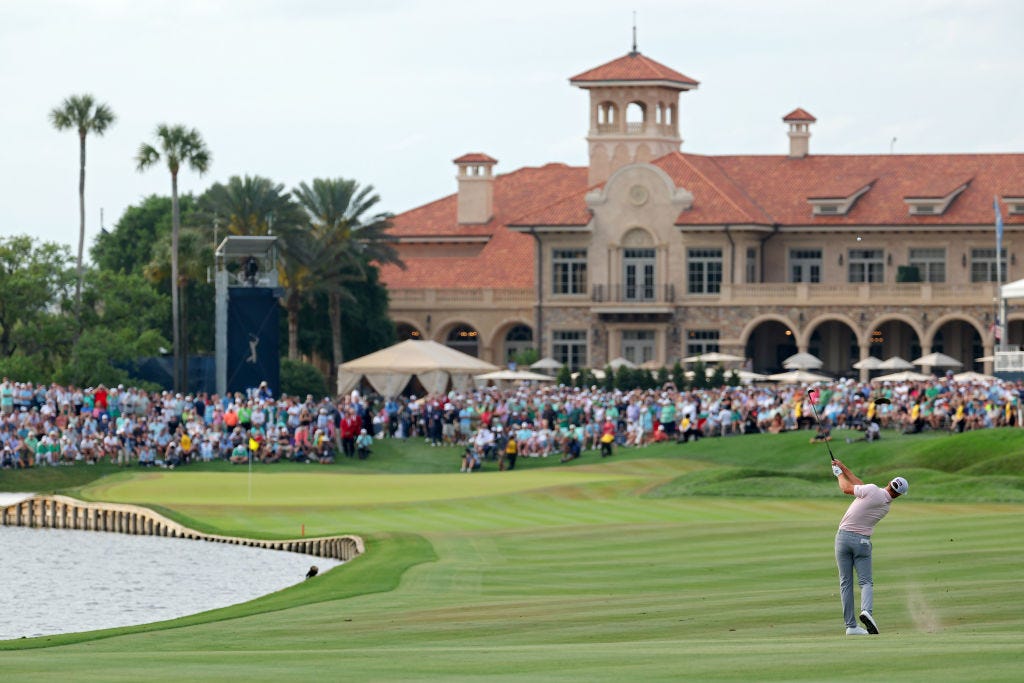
[434, 364]
[1012, 290]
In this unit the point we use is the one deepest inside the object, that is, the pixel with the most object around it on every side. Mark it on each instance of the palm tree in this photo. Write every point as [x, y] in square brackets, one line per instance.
[346, 238]
[178, 145]
[196, 258]
[82, 113]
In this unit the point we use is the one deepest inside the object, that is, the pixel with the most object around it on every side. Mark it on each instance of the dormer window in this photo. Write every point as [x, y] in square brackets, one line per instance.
[1015, 205]
[931, 203]
[839, 201]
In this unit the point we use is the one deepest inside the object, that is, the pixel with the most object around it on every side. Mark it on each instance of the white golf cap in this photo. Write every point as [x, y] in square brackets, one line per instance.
[899, 485]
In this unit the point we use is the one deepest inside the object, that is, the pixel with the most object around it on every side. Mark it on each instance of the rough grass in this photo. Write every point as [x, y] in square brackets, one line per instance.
[708, 561]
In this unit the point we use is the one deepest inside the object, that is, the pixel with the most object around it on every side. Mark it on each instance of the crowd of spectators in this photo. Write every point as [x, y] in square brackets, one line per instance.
[56, 425]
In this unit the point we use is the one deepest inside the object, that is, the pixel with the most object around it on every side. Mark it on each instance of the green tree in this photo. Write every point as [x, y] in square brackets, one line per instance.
[35, 282]
[128, 246]
[346, 239]
[85, 115]
[678, 376]
[195, 250]
[121, 317]
[700, 375]
[300, 379]
[525, 358]
[177, 145]
[564, 376]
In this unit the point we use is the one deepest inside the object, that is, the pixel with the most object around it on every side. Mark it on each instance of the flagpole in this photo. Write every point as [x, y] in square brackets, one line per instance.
[1001, 327]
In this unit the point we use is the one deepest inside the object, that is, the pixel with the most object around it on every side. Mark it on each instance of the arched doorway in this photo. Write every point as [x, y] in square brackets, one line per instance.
[960, 340]
[894, 338]
[464, 338]
[405, 331]
[769, 344]
[519, 338]
[835, 343]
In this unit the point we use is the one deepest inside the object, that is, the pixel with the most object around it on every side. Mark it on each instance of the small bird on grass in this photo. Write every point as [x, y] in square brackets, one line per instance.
[312, 572]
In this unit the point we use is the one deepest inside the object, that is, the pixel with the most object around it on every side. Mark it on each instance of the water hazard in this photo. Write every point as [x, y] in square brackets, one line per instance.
[63, 581]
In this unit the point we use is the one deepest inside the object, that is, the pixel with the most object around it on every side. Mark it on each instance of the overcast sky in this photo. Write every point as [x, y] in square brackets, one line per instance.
[390, 91]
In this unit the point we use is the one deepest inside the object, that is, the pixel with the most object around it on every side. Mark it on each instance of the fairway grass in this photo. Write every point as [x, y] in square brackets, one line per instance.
[675, 564]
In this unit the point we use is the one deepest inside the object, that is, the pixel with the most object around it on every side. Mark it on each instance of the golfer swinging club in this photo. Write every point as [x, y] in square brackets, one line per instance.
[853, 542]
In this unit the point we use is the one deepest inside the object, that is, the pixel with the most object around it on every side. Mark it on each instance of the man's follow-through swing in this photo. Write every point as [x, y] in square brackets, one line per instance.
[853, 540]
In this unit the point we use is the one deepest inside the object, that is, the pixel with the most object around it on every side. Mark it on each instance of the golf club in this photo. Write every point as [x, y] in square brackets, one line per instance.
[813, 396]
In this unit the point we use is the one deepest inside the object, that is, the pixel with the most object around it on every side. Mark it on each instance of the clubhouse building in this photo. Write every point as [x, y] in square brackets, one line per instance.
[653, 254]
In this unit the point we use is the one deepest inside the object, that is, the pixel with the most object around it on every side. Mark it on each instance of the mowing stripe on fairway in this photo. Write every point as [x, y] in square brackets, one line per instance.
[328, 488]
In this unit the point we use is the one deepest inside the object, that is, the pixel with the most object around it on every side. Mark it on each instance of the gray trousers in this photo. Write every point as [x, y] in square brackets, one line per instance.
[853, 551]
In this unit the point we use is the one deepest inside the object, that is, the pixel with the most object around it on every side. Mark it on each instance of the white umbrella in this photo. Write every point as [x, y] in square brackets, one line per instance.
[938, 360]
[896, 363]
[713, 357]
[799, 376]
[515, 376]
[869, 363]
[598, 374]
[616, 363]
[547, 363]
[746, 376]
[971, 376]
[903, 376]
[984, 359]
[802, 361]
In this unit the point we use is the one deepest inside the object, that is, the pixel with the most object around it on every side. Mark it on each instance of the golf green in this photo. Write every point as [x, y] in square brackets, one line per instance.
[697, 562]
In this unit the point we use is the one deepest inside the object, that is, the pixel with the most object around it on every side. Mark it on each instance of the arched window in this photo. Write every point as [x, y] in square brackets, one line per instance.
[636, 117]
[639, 260]
[607, 116]
[465, 339]
[519, 338]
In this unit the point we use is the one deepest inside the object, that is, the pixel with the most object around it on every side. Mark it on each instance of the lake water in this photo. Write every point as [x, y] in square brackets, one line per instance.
[64, 581]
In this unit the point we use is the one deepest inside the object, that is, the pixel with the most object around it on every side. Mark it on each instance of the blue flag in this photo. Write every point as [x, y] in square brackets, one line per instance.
[999, 227]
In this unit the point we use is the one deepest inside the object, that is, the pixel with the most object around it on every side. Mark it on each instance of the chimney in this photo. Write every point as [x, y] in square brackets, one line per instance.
[476, 188]
[799, 122]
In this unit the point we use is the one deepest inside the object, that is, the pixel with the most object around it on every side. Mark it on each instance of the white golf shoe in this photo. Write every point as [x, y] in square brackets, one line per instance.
[869, 622]
[856, 631]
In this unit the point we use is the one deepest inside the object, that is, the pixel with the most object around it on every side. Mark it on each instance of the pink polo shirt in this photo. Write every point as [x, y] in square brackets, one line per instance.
[870, 505]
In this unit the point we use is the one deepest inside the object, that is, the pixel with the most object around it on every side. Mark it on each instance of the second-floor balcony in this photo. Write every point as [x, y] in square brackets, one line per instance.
[910, 293]
[653, 294]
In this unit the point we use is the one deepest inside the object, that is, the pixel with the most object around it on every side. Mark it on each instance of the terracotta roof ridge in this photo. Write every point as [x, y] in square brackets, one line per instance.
[685, 159]
[566, 196]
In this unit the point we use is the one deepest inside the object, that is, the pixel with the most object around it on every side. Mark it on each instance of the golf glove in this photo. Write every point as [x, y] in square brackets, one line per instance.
[836, 470]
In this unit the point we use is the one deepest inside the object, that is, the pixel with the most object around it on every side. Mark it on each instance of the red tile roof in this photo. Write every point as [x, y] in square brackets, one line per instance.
[780, 186]
[475, 158]
[760, 190]
[938, 187]
[633, 67]
[507, 259]
[840, 187]
[799, 114]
